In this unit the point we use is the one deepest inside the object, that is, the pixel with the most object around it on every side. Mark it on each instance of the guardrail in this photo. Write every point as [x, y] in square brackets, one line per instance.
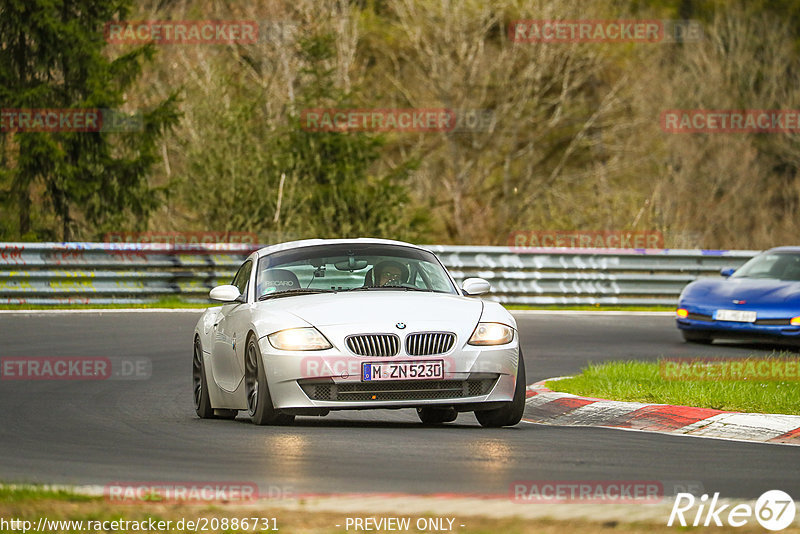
[127, 273]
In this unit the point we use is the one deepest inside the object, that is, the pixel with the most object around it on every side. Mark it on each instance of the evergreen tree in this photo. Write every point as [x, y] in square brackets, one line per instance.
[52, 55]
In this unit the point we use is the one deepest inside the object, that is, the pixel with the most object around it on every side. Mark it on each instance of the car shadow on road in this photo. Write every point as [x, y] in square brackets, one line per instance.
[325, 422]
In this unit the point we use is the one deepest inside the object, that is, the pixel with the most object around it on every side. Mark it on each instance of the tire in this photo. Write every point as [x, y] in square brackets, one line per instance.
[259, 402]
[511, 413]
[202, 404]
[436, 416]
[696, 337]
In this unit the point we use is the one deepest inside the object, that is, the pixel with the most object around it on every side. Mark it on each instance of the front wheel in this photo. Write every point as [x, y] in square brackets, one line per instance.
[259, 401]
[511, 413]
[202, 404]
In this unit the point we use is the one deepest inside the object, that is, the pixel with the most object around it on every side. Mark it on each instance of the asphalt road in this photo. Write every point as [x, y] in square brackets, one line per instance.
[96, 432]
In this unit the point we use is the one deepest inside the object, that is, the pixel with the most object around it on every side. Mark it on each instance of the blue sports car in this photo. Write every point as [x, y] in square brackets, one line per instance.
[761, 299]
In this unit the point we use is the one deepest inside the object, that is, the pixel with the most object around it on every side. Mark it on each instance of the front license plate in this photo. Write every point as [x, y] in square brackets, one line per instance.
[427, 370]
[739, 316]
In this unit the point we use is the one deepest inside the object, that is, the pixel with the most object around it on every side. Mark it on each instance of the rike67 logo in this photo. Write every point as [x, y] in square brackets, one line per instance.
[774, 510]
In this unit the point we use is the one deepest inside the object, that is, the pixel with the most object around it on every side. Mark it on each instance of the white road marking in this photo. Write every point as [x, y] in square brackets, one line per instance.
[597, 411]
[743, 426]
[593, 312]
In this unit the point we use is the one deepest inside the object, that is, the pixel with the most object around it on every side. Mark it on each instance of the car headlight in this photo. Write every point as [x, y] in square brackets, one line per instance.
[308, 338]
[491, 334]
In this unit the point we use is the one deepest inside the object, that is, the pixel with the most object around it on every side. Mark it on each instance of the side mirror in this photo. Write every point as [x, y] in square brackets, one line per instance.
[475, 286]
[727, 271]
[226, 293]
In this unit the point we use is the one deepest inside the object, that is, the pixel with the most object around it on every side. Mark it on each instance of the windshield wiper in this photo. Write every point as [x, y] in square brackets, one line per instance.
[290, 292]
[371, 288]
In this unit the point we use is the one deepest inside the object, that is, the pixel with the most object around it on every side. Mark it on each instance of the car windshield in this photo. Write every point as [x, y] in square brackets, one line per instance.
[351, 267]
[775, 265]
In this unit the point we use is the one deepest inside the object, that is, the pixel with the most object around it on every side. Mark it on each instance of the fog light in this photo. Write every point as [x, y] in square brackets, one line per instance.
[795, 321]
[680, 312]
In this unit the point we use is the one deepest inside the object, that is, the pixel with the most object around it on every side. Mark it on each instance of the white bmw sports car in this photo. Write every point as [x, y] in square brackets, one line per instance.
[318, 325]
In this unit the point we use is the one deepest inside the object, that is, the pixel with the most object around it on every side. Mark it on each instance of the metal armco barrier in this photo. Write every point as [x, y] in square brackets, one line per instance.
[126, 273]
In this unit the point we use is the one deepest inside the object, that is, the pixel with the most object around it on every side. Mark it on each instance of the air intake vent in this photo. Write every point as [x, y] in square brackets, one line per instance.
[428, 343]
[397, 390]
[374, 344]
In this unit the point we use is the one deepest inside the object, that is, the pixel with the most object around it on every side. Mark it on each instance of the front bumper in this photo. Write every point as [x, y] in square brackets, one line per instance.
[701, 319]
[331, 380]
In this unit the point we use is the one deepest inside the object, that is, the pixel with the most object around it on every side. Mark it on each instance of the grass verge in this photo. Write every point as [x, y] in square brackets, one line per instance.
[53, 507]
[639, 381]
[34, 493]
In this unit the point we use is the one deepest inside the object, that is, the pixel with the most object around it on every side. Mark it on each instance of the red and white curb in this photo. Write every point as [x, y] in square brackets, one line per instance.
[555, 408]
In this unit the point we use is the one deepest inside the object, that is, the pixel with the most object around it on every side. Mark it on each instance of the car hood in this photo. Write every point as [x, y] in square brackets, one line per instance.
[381, 309]
[753, 291]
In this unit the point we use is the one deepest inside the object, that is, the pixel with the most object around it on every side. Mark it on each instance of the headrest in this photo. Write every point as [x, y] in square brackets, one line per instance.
[277, 280]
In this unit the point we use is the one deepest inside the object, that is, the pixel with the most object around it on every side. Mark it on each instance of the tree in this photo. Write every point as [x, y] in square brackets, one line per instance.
[52, 56]
[349, 199]
[247, 164]
[727, 190]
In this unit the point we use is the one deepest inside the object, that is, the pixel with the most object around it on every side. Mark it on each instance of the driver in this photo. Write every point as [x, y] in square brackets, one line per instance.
[390, 273]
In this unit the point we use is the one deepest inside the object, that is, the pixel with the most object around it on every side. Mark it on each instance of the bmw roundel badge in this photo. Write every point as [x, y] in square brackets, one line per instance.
[401, 325]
